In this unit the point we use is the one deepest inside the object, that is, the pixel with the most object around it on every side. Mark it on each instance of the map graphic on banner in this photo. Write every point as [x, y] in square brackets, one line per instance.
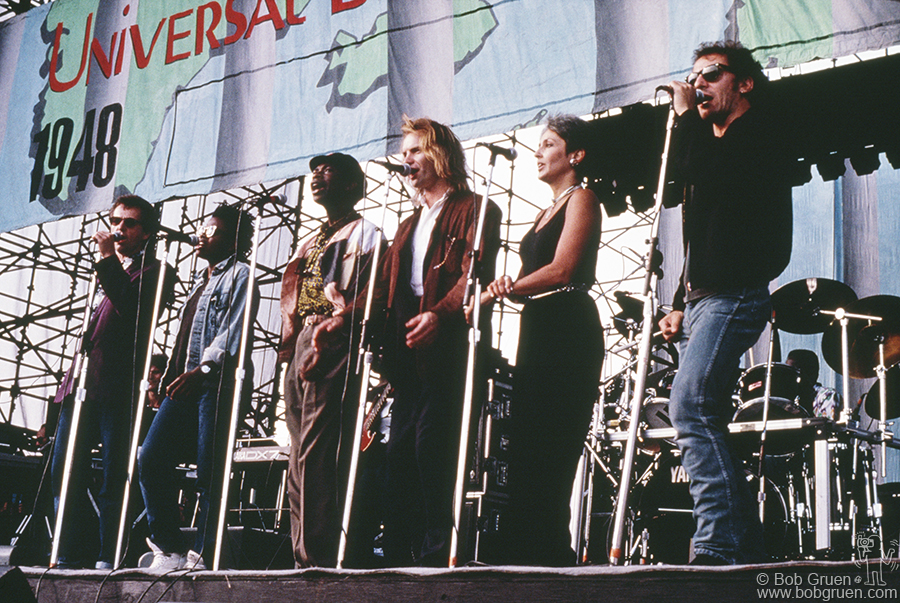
[185, 97]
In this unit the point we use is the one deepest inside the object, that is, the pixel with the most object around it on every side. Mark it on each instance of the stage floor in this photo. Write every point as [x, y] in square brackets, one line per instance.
[793, 581]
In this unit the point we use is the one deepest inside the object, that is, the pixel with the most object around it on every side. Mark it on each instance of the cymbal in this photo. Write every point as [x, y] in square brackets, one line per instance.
[863, 337]
[873, 398]
[797, 305]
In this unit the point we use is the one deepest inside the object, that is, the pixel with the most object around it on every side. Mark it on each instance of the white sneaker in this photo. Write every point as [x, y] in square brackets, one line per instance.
[164, 562]
[194, 561]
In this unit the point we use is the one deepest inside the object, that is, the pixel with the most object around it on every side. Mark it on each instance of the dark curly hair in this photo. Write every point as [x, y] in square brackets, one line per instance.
[740, 62]
[239, 226]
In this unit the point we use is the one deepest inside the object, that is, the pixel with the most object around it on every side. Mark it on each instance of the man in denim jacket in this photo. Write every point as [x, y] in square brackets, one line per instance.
[193, 419]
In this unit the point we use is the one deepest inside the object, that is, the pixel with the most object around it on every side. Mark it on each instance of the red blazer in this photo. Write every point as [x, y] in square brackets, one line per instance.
[446, 270]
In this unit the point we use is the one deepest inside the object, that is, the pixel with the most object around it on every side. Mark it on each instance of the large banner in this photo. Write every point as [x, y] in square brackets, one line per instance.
[180, 97]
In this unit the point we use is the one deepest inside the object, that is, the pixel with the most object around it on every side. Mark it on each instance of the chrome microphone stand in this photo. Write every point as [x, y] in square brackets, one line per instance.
[365, 366]
[239, 374]
[473, 288]
[162, 254]
[80, 395]
[649, 291]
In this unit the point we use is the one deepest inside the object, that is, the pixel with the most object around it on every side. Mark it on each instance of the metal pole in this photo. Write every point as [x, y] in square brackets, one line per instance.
[80, 394]
[365, 357]
[650, 282]
[473, 287]
[162, 255]
[239, 374]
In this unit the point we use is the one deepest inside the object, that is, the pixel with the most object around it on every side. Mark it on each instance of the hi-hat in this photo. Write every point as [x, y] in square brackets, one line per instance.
[864, 337]
[798, 305]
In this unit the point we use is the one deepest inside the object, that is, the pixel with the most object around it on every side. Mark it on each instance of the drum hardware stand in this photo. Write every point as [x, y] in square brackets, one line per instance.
[473, 291]
[80, 395]
[761, 498]
[162, 255]
[239, 374]
[364, 365]
[649, 291]
[843, 318]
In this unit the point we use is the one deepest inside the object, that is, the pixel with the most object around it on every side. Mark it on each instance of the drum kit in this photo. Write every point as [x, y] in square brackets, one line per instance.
[816, 470]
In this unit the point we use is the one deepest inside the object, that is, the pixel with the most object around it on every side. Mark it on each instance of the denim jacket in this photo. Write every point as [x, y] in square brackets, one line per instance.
[216, 329]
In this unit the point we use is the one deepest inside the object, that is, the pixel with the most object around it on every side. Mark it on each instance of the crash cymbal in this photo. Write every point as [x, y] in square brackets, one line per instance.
[864, 336]
[797, 305]
[873, 398]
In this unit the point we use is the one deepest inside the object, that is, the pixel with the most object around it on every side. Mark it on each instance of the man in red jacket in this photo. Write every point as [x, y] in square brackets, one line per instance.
[421, 284]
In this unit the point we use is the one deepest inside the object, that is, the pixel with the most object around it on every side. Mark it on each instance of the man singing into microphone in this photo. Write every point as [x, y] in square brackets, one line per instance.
[321, 389]
[421, 284]
[115, 344]
[737, 238]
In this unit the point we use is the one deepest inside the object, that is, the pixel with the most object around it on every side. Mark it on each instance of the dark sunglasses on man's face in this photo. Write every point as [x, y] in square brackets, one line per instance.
[710, 73]
[128, 222]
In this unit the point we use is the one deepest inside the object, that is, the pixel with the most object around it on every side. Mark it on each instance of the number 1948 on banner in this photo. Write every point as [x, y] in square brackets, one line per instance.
[93, 157]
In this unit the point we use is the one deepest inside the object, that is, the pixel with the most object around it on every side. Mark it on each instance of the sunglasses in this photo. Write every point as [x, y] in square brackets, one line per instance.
[127, 222]
[710, 73]
[208, 231]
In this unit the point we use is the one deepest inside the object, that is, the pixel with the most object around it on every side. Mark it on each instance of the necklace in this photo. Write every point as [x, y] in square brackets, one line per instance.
[566, 192]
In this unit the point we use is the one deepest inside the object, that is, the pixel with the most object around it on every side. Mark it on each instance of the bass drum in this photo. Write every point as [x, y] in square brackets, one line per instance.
[665, 511]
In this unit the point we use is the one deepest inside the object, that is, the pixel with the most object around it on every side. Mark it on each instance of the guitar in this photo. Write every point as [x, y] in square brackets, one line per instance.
[368, 436]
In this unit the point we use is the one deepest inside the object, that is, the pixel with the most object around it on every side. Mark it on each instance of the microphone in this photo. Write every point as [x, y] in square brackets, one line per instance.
[178, 236]
[699, 95]
[403, 169]
[508, 154]
[117, 236]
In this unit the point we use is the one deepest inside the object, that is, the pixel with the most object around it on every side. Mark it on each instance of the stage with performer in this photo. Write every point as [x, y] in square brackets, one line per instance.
[364, 300]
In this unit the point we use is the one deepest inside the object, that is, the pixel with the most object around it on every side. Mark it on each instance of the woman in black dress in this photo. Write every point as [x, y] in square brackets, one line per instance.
[560, 351]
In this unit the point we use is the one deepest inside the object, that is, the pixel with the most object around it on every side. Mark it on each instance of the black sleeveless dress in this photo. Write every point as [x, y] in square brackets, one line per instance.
[556, 384]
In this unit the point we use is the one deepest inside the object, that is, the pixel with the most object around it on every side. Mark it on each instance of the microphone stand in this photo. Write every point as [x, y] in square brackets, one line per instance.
[364, 365]
[473, 286]
[239, 375]
[80, 395]
[162, 254]
[651, 279]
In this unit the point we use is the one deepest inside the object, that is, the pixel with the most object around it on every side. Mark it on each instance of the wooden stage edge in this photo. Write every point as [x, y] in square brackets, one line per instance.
[793, 581]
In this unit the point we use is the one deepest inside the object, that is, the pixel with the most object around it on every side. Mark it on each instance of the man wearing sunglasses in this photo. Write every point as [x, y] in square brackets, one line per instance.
[115, 344]
[728, 159]
[193, 421]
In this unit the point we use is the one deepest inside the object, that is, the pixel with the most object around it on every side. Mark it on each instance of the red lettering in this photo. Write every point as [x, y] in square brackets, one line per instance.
[103, 62]
[289, 15]
[237, 19]
[273, 15]
[55, 84]
[342, 5]
[121, 55]
[140, 58]
[171, 57]
[210, 32]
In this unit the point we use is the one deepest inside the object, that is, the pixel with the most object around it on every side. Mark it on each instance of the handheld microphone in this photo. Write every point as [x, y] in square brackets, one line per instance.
[508, 154]
[403, 168]
[699, 95]
[178, 236]
[117, 236]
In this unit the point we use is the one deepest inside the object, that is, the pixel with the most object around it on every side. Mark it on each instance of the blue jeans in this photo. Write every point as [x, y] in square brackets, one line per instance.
[107, 424]
[717, 330]
[181, 432]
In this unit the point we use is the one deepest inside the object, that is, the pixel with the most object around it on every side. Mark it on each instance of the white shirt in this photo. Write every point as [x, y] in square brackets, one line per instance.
[420, 239]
